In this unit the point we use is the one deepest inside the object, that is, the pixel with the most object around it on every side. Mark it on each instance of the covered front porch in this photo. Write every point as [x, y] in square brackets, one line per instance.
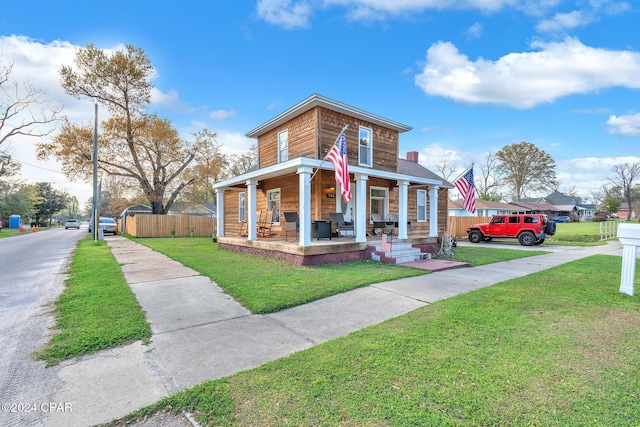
[321, 251]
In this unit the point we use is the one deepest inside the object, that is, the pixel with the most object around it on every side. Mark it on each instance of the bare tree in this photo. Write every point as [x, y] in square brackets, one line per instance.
[237, 165]
[20, 115]
[488, 185]
[626, 177]
[445, 168]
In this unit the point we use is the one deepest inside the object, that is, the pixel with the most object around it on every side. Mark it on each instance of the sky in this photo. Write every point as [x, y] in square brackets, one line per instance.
[469, 76]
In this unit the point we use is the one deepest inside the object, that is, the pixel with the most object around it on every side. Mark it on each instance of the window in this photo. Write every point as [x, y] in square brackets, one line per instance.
[242, 207]
[514, 220]
[530, 219]
[379, 201]
[283, 146]
[422, 205]
[365, 141]
[273, 204]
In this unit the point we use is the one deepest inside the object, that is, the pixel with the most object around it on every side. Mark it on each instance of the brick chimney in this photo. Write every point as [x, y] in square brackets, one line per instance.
[413, 156]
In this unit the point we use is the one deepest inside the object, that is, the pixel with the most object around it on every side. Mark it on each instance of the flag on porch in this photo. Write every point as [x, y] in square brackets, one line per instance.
[338, 156]
[467, 190]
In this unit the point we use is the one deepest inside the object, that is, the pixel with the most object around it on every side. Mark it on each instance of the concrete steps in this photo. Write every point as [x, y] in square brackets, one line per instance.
[400, 253]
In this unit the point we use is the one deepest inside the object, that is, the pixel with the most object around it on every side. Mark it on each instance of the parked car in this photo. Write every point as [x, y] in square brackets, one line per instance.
[529, 229]
[72, 223]
[108, 225]
[561, 219]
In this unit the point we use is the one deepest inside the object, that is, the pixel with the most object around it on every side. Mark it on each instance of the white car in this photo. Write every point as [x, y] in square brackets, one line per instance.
[72, 223]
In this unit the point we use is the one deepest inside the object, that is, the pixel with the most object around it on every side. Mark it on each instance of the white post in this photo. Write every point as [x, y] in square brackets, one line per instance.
[220, 212]
[629, 236]
[361, 207]
[252, 233]
[304, 183]
[433, 211]
[403, 207]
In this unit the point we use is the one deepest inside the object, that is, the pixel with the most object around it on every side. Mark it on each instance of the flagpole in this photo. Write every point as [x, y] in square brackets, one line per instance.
[325, 156]
[463, 172]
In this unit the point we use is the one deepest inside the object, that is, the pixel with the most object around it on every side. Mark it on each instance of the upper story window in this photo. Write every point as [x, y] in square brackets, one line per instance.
[283, 146]
[365, 143]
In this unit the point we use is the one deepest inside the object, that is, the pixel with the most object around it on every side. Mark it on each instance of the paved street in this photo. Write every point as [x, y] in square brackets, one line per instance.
[32, 277]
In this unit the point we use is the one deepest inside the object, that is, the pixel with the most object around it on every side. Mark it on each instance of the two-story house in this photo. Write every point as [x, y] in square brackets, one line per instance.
[292, 177]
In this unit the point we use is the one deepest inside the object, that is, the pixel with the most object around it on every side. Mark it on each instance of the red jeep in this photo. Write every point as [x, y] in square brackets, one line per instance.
[529, 229]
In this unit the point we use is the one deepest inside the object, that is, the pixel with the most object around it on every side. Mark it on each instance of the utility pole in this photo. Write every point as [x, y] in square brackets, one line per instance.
[95, 207]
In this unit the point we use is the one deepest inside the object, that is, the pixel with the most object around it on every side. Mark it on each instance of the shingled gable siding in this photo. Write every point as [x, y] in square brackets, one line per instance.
[302, 139]
[385, 141]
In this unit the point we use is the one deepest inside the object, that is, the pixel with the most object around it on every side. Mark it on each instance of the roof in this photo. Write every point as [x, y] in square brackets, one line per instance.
[536, 206]
[316, 100]
[408, 167]
[486, 204]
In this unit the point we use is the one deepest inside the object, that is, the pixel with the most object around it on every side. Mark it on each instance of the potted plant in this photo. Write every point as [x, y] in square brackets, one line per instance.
[214, 238]
[173, 232]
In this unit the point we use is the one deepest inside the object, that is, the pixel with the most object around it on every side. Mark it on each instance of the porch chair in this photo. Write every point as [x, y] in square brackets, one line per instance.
[379, 223]
[264, 230]
[395, 218]
[337, 218]
[292, 223]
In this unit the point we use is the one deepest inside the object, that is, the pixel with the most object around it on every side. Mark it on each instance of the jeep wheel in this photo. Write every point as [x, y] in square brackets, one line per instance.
[527, 238]
[539, 241]
[475, 236]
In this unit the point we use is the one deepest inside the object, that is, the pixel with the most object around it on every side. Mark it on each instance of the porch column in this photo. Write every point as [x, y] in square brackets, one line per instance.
[403, 208]
[304, 205]
[433, 211]
[220, 212]
[252, 184]
[361, 207]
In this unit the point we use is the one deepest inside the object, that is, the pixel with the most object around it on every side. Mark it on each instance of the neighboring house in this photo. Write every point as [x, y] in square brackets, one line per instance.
[571, 206]
[200, 209]
[483, 208]
[540, 208]
[623, 211]
[291, 149]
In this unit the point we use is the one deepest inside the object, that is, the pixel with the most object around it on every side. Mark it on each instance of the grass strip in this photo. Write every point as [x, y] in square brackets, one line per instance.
[555, 348]
[97, 309]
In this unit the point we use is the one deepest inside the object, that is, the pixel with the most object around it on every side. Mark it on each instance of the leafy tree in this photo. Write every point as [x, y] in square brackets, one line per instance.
[210, 166]
[625, 179]
[526, 169]
[611, 204]
[17, 116]
[134, 145]
[16, 199]
[49, 202]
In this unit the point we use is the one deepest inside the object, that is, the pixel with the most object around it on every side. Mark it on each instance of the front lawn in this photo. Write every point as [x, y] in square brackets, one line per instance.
[555, 348]
[266, 285]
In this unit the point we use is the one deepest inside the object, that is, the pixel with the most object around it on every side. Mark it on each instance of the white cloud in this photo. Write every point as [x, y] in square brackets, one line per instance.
[562, 21]
[286, 13]
[222, 114]
[435, 154]
[628, 124]
[526, 79]
[475, 30]
[234, 142]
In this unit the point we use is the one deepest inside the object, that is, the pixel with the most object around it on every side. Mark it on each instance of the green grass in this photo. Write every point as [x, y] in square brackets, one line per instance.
[266, 285]
[585, 233]
[97, 309]
[476, 256]
[555, 348]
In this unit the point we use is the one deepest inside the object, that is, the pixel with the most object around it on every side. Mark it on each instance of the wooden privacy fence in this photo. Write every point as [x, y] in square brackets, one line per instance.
[458, 224]
[162, 225]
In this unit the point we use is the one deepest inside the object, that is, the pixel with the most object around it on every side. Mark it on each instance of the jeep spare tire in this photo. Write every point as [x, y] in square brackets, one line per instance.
[550, 228]
[475, 236]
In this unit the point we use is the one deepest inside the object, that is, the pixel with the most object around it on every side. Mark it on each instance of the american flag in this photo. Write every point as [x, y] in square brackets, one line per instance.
[338, 156]
[467, 189]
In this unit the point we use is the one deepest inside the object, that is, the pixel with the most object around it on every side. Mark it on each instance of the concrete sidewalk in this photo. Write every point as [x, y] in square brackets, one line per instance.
[200, 333]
